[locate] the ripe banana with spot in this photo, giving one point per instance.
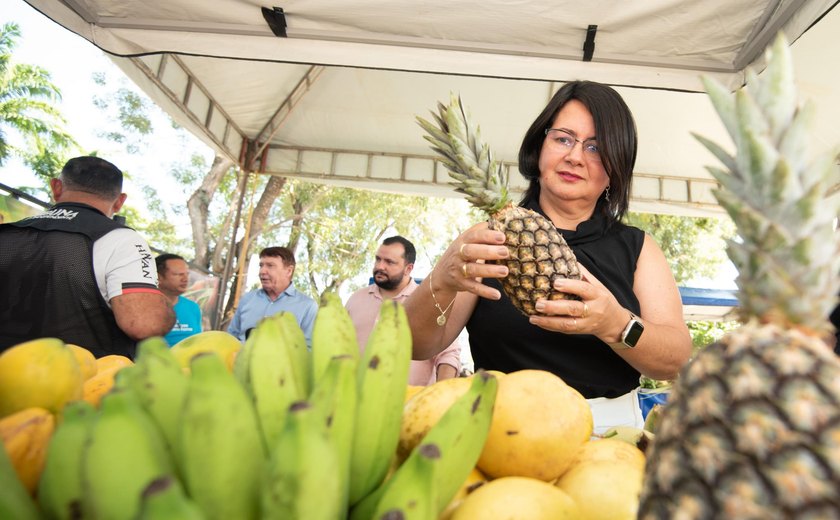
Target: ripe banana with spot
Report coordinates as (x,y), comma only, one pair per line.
(219,448)
(123,454)
(412,493)
(274,374)
(334,400)
(333,334)
(60,486)
(459,436)
(160,385)
(382,383)
(164,499)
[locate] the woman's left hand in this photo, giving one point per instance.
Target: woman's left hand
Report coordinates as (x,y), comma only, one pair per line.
(595,313)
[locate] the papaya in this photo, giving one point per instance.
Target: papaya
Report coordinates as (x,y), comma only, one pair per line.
(97,386)
(39,373)
(112,360)
(26,435)
(86,360)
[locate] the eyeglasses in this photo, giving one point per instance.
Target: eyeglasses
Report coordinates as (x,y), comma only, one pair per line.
(565,141)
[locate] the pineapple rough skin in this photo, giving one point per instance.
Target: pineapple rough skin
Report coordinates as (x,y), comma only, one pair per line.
(752,430)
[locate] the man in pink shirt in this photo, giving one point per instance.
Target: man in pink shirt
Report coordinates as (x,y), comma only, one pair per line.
(393,281)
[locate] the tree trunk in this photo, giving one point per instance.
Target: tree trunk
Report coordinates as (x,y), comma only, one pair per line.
(198,207)
(243,248)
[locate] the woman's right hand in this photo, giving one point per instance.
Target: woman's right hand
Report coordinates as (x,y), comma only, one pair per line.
(464,263)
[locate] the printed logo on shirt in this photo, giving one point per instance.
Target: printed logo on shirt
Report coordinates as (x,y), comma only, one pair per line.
(146,261)
(58,214)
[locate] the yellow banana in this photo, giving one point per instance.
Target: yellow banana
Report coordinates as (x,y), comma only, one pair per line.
(412,492)
(15,501)
(334,399)
(60,486)
(159,384)
(25,434)
(302,481)
(219,448)
(164,499)
(382,383)
(333,334)
(459,436)
(123,454)
(274,382)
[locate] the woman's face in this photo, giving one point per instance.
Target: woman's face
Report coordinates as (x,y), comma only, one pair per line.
(570,167)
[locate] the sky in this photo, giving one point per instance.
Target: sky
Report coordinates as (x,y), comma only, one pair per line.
(72,61)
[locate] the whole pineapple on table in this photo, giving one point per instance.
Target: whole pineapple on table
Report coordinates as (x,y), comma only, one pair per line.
(538,252)
(752,428)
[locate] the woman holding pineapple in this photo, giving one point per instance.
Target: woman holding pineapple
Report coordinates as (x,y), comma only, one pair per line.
(599,317)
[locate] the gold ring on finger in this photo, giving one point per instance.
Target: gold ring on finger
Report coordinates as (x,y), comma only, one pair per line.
(464,270)
(585,310)
(461,252)
(574,324)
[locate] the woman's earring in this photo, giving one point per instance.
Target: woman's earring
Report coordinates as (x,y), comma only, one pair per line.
(607,194)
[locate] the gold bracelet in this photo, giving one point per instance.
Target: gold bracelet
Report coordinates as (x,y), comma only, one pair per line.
(441,320)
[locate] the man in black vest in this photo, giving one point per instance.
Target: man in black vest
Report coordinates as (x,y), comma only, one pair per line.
(76,274)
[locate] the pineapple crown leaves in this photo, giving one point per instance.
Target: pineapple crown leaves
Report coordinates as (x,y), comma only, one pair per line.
(775,192)
(474,170)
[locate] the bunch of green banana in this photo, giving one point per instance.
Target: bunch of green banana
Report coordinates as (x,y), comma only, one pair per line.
(15,501)
(302,480)
(219,447)
(334,402)
(382,383)
(160,385)
(274,367)
(123,454)
(412,493)
(333,334)
(60,485)
(459,438)
(164,499)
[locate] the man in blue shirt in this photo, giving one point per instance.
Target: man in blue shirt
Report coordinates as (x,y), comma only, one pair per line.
(277,294)
(173,280)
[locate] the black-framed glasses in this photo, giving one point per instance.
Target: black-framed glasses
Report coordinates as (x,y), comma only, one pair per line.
(565,141)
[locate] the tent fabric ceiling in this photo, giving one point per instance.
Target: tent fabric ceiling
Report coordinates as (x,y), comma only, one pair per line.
(335,100)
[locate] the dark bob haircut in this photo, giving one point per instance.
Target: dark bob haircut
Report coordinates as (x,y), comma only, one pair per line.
(615,131)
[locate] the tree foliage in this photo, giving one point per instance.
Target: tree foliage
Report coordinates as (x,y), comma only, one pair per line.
(694,247)
(28,112)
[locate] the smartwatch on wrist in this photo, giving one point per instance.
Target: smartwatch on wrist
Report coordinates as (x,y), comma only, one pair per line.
(632,332)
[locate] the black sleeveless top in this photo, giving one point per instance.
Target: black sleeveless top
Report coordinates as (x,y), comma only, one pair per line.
(47,284)
(501,338)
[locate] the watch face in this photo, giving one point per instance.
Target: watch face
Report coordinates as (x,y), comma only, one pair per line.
(634,332)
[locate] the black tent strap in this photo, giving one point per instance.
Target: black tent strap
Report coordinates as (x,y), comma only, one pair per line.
(276,19)
(589,44)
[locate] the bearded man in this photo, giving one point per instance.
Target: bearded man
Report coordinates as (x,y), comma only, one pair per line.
(392,281)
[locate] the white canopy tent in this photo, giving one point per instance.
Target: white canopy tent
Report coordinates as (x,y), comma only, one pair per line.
(328,90)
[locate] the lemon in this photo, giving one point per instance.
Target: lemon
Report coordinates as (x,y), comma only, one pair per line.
(39,373)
